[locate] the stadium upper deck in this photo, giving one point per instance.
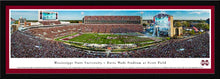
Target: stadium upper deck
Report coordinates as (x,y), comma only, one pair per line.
(112,20)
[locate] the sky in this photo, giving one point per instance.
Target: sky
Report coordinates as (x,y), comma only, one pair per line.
(146,14)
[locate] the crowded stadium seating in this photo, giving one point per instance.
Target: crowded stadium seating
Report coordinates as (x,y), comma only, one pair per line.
(112,19)
(25,45)
(49,22)
(52,32)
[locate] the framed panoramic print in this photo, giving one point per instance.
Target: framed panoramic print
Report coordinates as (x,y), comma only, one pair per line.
(108,39)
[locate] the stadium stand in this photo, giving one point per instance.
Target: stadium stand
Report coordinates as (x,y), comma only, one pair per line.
(49,22)
(25,45)
(112,19)
(52,32)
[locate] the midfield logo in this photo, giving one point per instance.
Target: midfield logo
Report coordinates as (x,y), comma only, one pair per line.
(204,62)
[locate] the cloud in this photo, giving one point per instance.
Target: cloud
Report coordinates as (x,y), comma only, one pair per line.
(178,12)
(111,13)
(27,14)
(199,12)
(82,13)
(148,17)
(195,12)
(141,12)
(23,13)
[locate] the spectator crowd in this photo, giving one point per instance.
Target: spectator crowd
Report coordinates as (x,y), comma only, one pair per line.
(26,45)
(53,32)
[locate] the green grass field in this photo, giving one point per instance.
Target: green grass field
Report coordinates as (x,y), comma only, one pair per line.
(95,38)
(67,36)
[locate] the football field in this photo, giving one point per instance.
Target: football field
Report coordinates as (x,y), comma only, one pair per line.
(96,38)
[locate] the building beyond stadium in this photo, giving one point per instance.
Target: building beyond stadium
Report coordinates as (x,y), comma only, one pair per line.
(163,25)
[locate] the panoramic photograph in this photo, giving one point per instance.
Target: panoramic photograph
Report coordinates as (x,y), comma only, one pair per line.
(110,33)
